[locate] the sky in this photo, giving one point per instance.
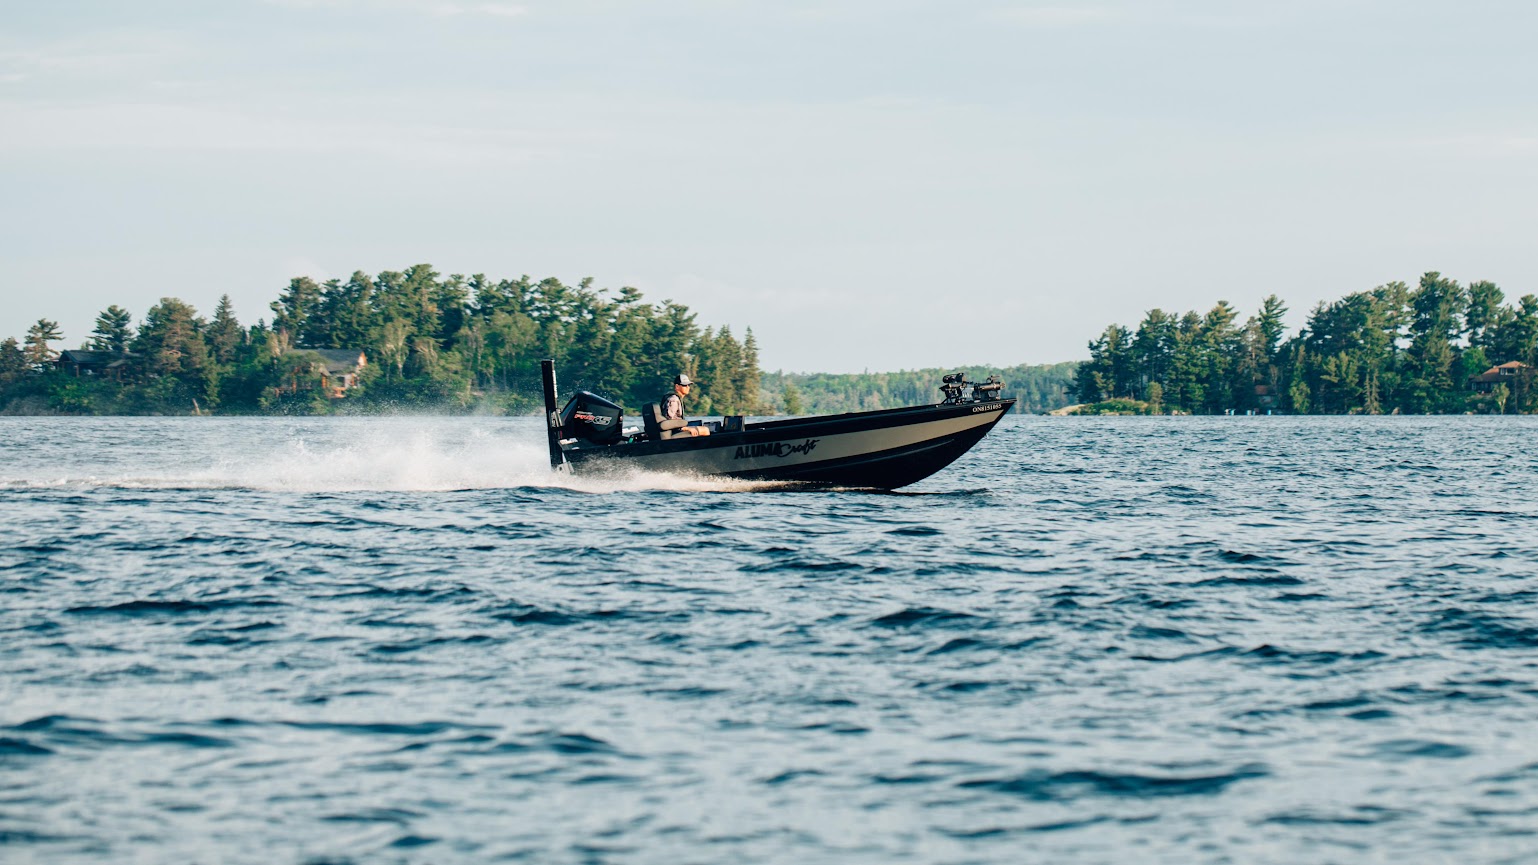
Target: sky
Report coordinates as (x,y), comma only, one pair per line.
(868,185)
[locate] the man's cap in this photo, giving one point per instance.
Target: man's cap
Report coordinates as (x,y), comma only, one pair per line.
(682,380)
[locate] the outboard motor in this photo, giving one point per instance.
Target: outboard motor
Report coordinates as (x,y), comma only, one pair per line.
(591,418)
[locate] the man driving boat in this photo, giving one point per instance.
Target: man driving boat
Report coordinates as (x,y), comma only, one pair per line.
(672,405)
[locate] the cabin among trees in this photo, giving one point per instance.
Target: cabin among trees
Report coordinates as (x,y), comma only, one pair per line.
(1509,383)
(1509,373)
(333,371)
(78,362)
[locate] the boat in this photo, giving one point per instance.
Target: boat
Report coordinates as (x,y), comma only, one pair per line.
(883,449)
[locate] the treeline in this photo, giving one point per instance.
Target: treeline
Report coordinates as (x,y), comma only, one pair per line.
(1039,388)
(1392,349)
(431,342)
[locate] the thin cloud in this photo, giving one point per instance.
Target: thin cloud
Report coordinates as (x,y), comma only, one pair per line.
(1054,16)
(438,8)
(496,10)
(91,56)
(188,128)
(1480,146)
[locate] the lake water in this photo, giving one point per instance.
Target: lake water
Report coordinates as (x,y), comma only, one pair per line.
(1185,640)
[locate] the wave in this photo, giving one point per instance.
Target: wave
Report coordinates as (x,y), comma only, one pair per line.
(142,607)
(1042,786)
(925,617)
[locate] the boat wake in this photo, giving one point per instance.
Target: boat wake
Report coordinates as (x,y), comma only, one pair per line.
(389,457)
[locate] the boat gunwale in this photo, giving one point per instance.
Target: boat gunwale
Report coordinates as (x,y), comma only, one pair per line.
(775,429)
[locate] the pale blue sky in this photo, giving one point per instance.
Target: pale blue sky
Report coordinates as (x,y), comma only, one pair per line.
(869,185)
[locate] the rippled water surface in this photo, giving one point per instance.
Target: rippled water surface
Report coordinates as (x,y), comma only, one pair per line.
(1120,640)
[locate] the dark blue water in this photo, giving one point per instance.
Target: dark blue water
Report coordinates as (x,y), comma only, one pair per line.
(1121,640)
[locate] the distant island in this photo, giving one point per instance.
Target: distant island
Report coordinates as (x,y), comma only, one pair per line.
(1039,388)
(1437,348)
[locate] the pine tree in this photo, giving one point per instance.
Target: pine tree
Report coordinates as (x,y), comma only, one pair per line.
(224,333)
(1271,324)
(1484,312)
(37,352)
(393,346)
(344,316)
(293,308)
(1187,373)
(451,301)
(114,330)
(171,345)
(1112,367)
(792,396)
(13,361)
(1437,304)
(1153,350)
(1220,350)
(1298,396)
(748,377)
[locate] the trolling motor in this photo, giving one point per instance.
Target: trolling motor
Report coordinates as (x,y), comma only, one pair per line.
(951,386)
(955,383)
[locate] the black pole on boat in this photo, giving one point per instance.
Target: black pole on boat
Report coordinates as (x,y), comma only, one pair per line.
(552,415)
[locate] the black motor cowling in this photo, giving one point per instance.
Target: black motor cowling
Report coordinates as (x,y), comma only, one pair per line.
(591,418)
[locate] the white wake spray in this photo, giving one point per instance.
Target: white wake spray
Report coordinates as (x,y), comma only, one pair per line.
(334,455)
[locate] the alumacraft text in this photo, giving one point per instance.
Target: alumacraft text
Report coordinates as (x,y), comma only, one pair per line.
(777,449)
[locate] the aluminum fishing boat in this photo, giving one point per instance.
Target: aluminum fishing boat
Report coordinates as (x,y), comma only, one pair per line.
(882,449)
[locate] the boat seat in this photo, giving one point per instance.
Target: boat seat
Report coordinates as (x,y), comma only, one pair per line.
(658,429)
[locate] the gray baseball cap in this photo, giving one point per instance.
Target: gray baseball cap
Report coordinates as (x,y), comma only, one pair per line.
(682,380)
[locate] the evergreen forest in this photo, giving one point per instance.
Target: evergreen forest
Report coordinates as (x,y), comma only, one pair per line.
(1396,349)
(456,343)
(432,342)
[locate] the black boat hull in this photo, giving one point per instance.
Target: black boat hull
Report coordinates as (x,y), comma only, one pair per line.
(879,449)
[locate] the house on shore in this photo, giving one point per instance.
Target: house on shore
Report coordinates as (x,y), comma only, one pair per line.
(84,362)
(339,369)
(1507,373)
